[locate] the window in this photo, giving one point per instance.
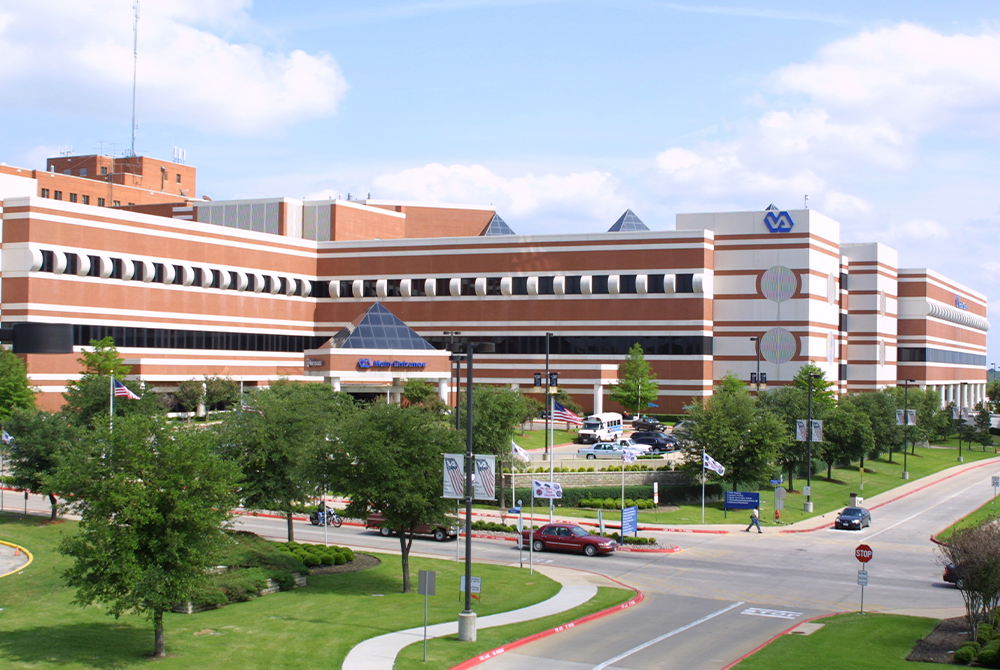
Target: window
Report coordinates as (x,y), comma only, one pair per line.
(47,261)
(58,195)
(116,203)
(71,264)
(519,286)
(467,286)
(573,285)
(418,287)
(100,202)
(86,199)
(131,204)
(626,284)
(685,283)
(655,284)
(391,288)
(178,177)
(545,286)
(45,193)
(72,197)
(104,170)
(368,289)
(346,288)
(493,286)
(67,172)
(83,172)
(599,284)
(441,287)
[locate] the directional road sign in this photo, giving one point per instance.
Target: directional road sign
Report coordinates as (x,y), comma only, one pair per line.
(862,578)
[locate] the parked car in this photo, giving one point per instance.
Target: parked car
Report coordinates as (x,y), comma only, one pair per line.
(607,450)
(646,423)
(853,518)
(659,443)
(951,575)
(568,537)
(439,531)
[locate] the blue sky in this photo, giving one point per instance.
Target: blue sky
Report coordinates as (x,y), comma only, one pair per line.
(560,113)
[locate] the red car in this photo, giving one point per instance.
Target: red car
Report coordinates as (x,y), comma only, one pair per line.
(568,537)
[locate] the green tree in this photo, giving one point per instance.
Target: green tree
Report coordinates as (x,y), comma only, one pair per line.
(496,414)
(189,395)
(993,393)
(90,396)
(275,443)
(847,435)
(15,390)
(221,393)
(880,407)
(563,397)
(153,503)
(422,393)
(387,458)
(734,430)
(41,442)
(636,386)
(983,425)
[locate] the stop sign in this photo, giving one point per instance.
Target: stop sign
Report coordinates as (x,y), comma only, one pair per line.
(863,553)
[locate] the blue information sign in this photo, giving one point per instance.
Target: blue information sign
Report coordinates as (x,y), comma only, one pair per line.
(742,500)
(630,520)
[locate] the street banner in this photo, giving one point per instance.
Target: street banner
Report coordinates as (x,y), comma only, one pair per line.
(911,415)
(485,484)
(800,430)
(546,489)
(454,476)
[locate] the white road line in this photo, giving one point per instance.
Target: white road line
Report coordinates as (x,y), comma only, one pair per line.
(914,516)
(650,643)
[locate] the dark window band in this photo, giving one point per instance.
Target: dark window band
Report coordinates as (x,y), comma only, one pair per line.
(163,338)
(612,345)
(917,355)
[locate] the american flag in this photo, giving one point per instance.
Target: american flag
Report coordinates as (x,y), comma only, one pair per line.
(560,413)
(122,391)
(455,475)
(487,477)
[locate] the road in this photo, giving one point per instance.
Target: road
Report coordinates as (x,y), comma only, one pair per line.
(723,595)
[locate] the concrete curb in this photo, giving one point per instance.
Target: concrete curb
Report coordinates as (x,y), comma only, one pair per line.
(784,632)
(27,553)
(481,658)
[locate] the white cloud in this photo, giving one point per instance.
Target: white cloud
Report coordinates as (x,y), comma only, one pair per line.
(63,55)
(592,195)
(843,205)
(915,230)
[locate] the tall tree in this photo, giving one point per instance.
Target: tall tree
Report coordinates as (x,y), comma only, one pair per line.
(983,425)
(275,442)
(221,393)
(975,553)
(636,387)
(734,430)
(880,406)
(847,435)
(189,395)
(993,393)
(15,389)
(387,458)
(152,503)
(41,442)
(90,396)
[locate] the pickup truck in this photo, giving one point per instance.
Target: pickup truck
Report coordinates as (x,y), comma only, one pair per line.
(439,531)
(610,450)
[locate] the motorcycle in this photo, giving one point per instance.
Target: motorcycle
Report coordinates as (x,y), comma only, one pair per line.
(330,517)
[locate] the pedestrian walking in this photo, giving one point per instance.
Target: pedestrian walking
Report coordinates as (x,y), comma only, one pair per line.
(754,520)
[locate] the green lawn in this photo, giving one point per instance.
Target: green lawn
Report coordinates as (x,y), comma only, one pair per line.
(827,496)
(310,627)
(984,513)
(535,439)
(847,642)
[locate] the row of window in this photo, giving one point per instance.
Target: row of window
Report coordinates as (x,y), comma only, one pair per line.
(927,355)
(104,170)
(592,345)
(165,338)
(507,286)
(83,199)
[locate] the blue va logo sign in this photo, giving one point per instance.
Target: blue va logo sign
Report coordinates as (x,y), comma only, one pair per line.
(778,222)
(364,363)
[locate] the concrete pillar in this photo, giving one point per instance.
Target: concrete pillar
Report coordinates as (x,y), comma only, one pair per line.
(443,388)
(598,398)
(335,383)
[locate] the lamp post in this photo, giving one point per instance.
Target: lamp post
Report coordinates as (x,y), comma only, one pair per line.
(809,444)
(906,422)
(457,360)
(549,447)
(756,346)
(961,420)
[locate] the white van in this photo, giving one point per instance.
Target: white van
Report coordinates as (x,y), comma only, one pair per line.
(606,427)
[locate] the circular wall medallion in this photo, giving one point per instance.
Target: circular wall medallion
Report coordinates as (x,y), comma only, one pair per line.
(778,346)
(778,283)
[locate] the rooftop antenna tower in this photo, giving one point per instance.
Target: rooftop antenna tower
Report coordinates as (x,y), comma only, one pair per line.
(135,65)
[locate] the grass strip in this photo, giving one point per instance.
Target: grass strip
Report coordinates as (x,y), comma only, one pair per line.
(847,642)
(311,627)
(447,652)
(984,513)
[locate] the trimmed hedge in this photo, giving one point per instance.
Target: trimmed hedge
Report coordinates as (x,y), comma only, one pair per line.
(988,658)
(964,655)
(668,494)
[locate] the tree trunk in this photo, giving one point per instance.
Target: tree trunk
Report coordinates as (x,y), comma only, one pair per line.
(405,540)
(291,529)
(829,471)
(791,477)
(54,505)
(160,647)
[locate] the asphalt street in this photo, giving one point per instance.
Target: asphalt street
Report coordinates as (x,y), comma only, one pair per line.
(725,594)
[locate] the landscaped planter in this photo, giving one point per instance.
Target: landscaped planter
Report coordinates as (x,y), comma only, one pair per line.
(272,587)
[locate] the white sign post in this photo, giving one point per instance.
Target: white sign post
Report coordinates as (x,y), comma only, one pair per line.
(996,484)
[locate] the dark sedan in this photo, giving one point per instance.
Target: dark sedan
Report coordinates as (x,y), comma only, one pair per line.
(646,423)
(951,575)
(659,443)
(853,518)
(568,537)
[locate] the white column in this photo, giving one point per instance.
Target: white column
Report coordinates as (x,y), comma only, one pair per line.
(335,383)
(598,398)
(443,385)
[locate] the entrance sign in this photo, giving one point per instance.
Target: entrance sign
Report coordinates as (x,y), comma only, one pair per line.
(742,500)
(630,521)
(863,553)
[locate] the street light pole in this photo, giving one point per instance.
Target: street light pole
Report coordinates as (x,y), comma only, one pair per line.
(809,445)
(458,375)
(961,420)
(906,422)
(756,342)
(549,447)
(467,618)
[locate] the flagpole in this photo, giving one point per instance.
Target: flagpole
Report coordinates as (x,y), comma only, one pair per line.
(703,485)
(112,401)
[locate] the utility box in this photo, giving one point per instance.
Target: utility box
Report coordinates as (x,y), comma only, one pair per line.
(856,500)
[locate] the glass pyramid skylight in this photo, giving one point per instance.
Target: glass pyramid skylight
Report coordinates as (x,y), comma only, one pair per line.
(497,227)
(628,223)
(378,328)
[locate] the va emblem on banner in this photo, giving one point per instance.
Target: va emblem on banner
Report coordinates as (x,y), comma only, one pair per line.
(486,479)
(454,476)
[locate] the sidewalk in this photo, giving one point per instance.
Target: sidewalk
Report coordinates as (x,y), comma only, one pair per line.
(379,653)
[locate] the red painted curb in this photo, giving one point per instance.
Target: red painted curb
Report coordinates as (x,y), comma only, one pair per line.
(784,632)
(672,549)
(473,662)
(981,463)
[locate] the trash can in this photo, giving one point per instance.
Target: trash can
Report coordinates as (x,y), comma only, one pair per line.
(856,500)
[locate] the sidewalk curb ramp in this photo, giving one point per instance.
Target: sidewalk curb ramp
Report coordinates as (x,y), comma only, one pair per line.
(784,632)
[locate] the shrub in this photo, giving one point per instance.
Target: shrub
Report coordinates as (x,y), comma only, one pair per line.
(972,643)
(327,558)
(339,559)
(311,561)
(964,655)
(209,595)
(984,632)
(242,585)
(987,658)
(284,579)
(639,540)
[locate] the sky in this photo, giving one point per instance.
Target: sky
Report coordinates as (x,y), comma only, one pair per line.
(561,113)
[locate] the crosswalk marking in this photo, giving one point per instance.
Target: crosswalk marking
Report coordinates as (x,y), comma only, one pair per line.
(776,614)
